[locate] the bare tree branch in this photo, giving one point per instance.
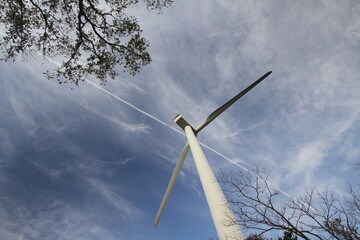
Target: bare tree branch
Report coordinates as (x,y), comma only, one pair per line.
(316,215)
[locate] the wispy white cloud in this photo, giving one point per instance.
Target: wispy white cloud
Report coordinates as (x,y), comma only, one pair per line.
(59,219)
(309,158)
(115,198)
(137,128)
(126,160)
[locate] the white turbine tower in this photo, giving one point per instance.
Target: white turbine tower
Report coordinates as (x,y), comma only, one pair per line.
(217,202)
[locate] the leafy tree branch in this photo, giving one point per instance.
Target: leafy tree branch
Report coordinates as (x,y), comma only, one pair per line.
(92,37)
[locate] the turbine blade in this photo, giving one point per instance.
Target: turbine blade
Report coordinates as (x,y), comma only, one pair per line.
(218,111)
(170,186)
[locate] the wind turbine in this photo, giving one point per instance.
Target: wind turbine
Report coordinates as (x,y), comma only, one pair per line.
(217,202)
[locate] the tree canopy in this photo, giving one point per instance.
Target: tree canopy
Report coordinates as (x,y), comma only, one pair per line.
(91,37)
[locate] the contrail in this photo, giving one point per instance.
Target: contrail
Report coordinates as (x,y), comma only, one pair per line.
(161,122)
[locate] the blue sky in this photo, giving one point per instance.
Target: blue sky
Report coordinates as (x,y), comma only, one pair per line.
(81,164)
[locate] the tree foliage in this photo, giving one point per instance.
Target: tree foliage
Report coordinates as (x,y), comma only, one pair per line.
(259,207)
(91,37)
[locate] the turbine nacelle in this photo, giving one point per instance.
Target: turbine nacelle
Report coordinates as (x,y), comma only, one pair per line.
(182,122)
